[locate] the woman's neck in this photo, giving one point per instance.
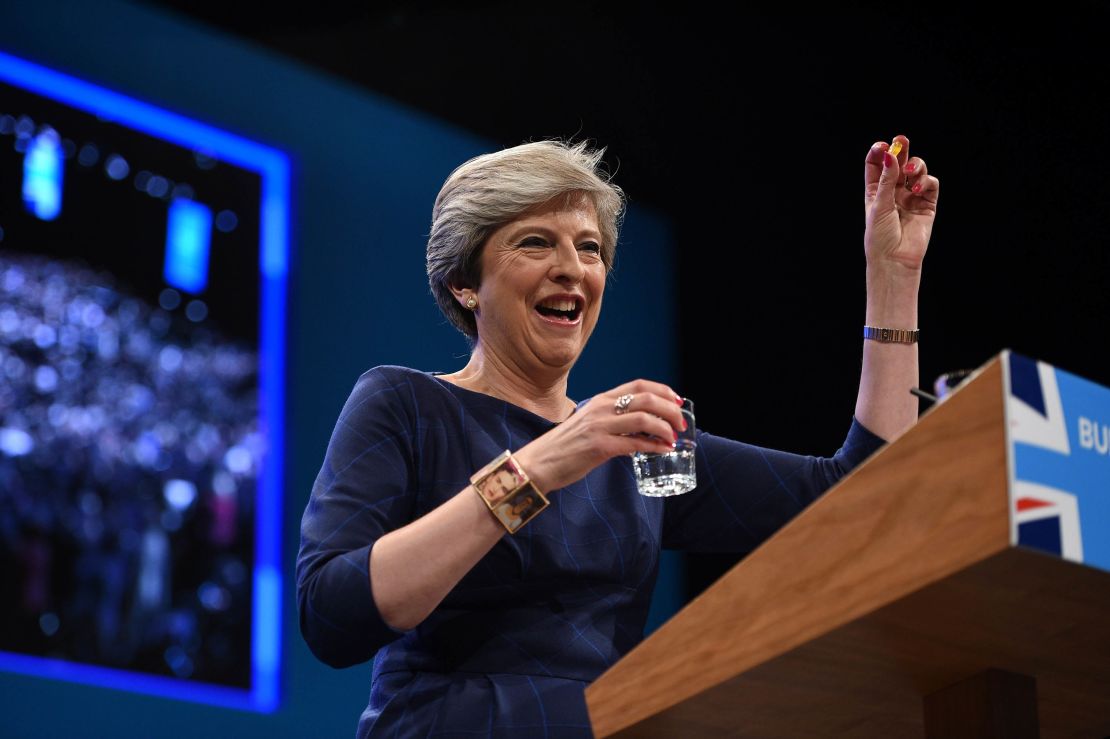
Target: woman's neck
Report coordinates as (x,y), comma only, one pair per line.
(486,373)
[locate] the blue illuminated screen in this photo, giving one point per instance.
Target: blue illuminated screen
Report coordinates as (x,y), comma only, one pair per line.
(142,299)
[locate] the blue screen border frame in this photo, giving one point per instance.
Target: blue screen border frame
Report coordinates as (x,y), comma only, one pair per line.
(274,168)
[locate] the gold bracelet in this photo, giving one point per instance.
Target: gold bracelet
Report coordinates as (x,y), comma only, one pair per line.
(508,493)
(891,335)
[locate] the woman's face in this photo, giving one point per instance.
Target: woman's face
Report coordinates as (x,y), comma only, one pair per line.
(542,284)
(505,482)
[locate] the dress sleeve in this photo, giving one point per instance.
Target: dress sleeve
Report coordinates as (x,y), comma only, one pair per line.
(746,493)
(361,493)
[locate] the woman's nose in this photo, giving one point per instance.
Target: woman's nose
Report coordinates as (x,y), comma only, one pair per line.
(567,264)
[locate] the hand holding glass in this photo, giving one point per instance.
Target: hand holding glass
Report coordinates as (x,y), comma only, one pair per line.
(673,473)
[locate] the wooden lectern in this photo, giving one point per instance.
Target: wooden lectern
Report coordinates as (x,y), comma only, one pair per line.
(894,602)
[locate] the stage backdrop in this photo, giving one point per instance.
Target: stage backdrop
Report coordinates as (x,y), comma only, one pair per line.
(365,174)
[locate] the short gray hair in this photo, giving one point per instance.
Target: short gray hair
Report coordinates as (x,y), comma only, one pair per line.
(488,191)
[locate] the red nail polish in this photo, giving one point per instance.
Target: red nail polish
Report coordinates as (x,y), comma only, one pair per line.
(678,400)
(888,160)
(917,187)
(676,436)
(911,167)
(683,424)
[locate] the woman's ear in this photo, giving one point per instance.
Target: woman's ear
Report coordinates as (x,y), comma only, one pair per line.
(467,297)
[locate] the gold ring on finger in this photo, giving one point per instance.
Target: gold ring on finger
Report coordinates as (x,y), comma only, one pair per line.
(622,404)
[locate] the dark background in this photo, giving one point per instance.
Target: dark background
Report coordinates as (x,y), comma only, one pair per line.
(748,131)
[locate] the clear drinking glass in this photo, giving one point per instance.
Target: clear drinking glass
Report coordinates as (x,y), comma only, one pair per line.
(673,473)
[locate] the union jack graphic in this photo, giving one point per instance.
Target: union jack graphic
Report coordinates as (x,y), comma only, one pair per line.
(1044,517)
(1047,519)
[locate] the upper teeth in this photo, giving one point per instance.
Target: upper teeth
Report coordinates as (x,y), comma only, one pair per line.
(559,304)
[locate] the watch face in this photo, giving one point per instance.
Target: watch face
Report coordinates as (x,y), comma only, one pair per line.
(502,481)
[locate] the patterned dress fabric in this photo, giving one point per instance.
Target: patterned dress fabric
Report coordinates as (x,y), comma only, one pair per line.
(510,650)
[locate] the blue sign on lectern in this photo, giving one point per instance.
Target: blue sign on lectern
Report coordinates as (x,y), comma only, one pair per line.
(1058,437)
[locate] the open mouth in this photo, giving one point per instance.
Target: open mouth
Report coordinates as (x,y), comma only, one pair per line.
(560,310)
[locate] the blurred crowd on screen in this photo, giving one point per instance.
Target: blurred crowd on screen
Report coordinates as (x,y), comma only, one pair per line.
(130,450)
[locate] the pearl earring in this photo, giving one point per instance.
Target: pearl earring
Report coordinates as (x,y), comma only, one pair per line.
(472,302)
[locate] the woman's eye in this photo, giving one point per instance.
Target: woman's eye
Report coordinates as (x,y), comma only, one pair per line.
(591,247)
(533,241)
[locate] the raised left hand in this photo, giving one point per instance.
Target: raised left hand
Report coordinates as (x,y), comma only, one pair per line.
(900,201)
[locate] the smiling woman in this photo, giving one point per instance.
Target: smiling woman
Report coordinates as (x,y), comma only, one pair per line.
(485,612)
(537,299)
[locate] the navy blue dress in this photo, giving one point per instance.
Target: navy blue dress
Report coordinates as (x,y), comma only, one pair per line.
(512,647)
